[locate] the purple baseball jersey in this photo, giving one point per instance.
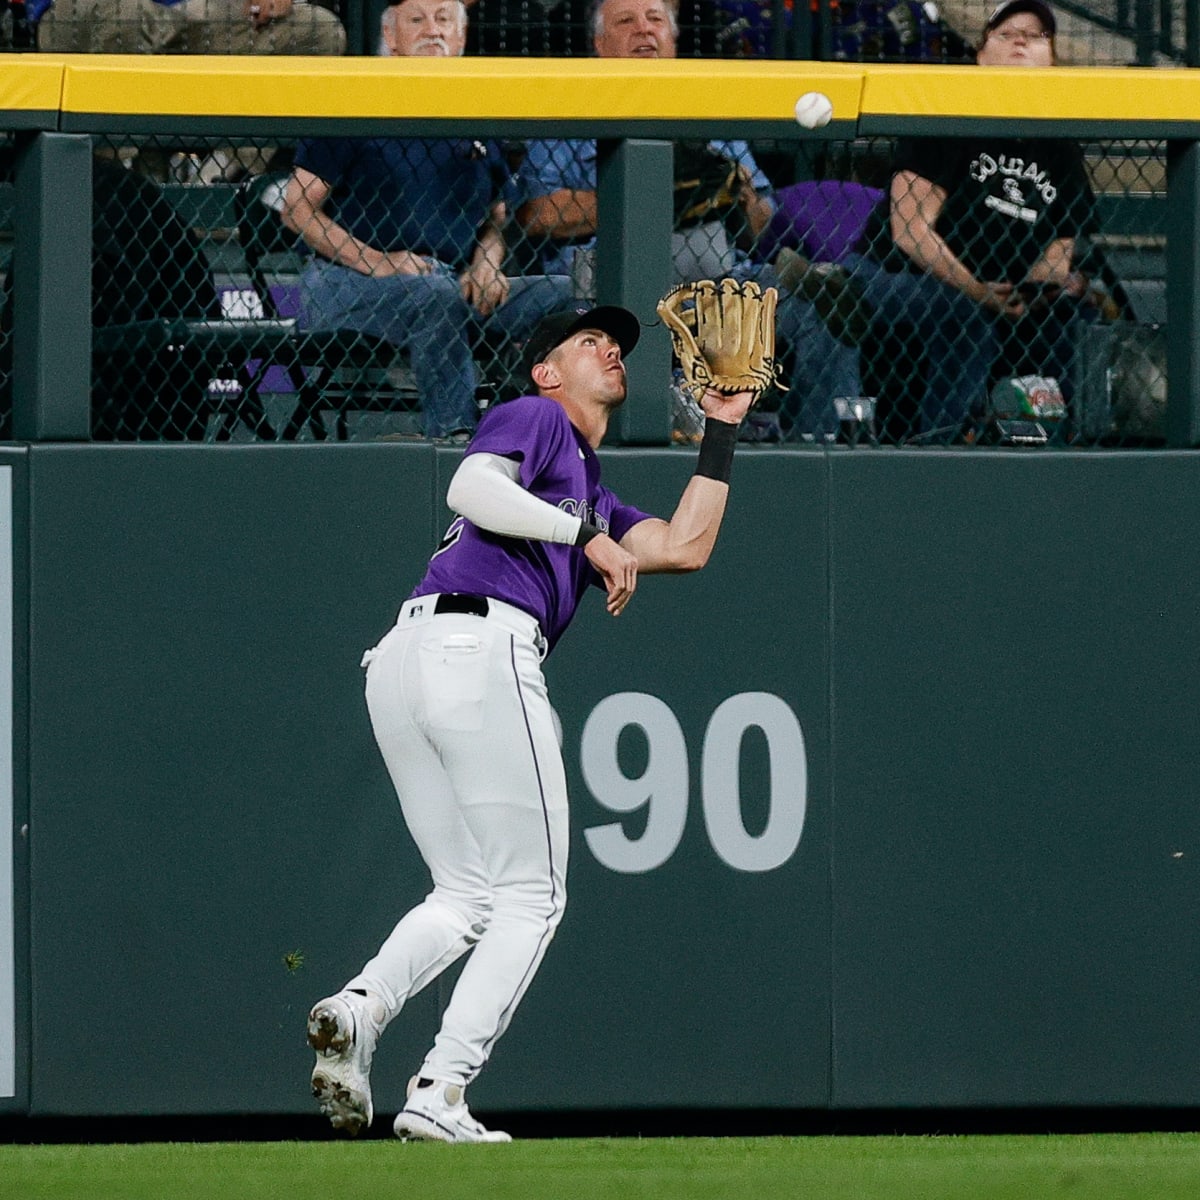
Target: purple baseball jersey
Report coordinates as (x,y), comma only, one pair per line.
(545,579)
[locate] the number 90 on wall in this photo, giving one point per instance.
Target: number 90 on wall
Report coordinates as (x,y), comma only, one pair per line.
(663,787)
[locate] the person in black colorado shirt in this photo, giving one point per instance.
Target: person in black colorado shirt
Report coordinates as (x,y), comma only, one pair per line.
(973,246)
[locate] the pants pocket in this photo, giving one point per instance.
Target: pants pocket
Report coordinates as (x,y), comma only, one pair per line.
(454,675)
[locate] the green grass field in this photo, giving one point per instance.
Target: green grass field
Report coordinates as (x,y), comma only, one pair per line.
(1079,1167)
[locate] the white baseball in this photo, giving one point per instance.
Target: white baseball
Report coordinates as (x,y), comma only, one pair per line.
(813,110)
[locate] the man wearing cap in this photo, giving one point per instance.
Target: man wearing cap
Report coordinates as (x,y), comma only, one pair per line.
(560,175)
(973,246)
(459,708)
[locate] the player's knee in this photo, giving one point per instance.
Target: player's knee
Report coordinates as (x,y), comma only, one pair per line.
(472,909)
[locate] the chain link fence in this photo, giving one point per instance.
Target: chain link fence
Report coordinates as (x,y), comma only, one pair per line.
(218,313)
(1046,327)
(1056,337)
(217,316)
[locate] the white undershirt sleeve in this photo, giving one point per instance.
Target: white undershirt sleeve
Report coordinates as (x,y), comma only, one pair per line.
(485,490)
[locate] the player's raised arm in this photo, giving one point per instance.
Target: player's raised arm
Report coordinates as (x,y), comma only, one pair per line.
(685,542)
(723,334)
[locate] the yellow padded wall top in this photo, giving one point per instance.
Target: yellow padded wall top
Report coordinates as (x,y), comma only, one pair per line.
(1071,93)
(539,89)
(522,88)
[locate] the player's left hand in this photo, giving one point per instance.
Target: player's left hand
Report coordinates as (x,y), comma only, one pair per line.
(730,408)
(618,569)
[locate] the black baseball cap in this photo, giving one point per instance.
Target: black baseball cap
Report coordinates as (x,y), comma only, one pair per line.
(1008,8)
(619,323)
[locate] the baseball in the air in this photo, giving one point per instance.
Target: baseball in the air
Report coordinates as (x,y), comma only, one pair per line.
(813,110)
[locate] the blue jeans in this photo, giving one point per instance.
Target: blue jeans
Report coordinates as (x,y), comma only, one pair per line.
(426,316)
(957,336)
(965,346)
(821,368)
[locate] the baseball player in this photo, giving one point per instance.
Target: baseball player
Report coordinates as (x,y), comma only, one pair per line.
(459,709)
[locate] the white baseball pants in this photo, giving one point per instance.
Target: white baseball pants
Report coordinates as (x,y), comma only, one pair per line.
(459,708)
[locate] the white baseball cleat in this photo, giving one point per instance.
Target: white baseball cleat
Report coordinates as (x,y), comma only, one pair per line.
(343,1030)
(437,1112)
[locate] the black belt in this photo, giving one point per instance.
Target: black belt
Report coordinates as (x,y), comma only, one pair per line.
(461,602)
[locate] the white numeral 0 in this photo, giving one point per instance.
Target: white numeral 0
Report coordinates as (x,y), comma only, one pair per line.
(663,785)
(719,781)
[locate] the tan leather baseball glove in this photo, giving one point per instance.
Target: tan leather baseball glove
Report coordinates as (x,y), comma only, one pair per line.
(724,334)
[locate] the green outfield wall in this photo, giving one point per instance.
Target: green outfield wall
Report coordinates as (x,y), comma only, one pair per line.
(891,806)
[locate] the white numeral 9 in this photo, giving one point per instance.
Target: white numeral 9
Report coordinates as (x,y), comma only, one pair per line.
(664,781)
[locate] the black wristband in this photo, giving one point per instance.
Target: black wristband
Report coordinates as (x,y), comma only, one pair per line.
(716,450)
(586,533)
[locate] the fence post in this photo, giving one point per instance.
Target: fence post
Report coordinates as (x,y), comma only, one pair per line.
(52,289)
(1145,35)
(633,269)
(781,33)
(803,43)
(1183,293)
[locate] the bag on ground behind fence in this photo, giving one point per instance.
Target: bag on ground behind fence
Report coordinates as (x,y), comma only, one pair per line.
(1122,381)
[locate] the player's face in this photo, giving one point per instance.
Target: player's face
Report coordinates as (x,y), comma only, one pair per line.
(425,28)
(590,367)
(635,29)
(1020,41)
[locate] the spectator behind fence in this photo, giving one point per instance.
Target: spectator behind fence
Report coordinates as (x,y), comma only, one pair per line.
(973,248)
(186,27)
(290,27)
(815,229)
(719,187)
(407,237)
(561,174)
